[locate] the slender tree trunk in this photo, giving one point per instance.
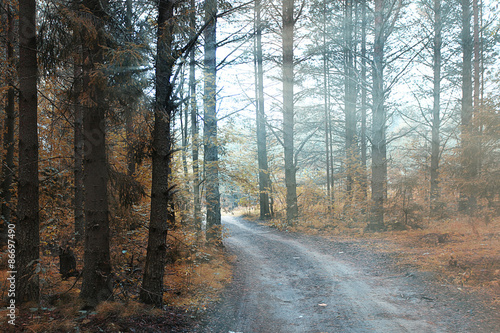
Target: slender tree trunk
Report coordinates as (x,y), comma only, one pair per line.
(477,100)
(129,109)
(194,122)
(8,137)
(326,88)
(184,116)
(328,119)
(96,276)
(379,164)
(349,100)
(161,190)
(28,224)
(129,128)
(214,232)
(292,210)
(477,57)
(364,104)
(467,197)
(436,121)
(183,119)
(481,85)
(332,156)
(264,179)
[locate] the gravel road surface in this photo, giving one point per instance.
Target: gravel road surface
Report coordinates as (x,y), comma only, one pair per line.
(286,282)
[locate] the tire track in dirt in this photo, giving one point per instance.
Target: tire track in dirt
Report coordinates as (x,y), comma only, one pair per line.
(289,284)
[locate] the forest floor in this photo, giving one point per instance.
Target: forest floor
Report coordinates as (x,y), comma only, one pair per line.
(193,280)
(313,277)
(389,282)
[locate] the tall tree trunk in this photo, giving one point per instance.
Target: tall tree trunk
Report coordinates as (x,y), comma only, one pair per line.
(96,276)
(332,157)
(78,152)
(436,121)
(78,138)
(477,56)
(292,210)
(481,85)
(129,109)
(264,179)
(349,100)
(8,136)
(214,232)
(467,197)
(477,100)
(194,122)
(184,118)
(161,190)
(326,88)
(364,104)
(28,224)
(379,164)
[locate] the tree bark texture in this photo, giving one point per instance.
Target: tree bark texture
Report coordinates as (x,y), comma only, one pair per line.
(96,276)
(8,137)
(349,99)
(214,232)
(292,209)
(129,109)
(332,157)
(477,98)
(477,56)
(194,123)
(436,120)
(183,119)
(364,99)
(467,201)
(28,224)
(78,153)
(264,179)
(379,164)
(161,190)
(326,87)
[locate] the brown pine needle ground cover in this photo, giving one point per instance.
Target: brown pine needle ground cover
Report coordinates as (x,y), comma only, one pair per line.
(193,280)
(459,253)
(196,281)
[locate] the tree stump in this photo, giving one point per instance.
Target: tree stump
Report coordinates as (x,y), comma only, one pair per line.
(67,263)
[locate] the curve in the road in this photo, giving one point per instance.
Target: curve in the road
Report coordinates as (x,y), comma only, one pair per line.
(282,284)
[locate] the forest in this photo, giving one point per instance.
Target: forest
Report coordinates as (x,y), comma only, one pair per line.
(129,128)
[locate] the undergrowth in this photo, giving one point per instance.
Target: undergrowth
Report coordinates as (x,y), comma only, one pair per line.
(194,278)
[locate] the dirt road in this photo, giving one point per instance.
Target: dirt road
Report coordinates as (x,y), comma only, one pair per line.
(294,283)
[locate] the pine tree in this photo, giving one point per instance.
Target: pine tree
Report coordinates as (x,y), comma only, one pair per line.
(161,189)
(28,224)
(264,179)
(96,277)
(214,232)
(292,209)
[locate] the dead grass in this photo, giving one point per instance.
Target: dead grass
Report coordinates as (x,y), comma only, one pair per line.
(196,281)
(464,254)
(192,282)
